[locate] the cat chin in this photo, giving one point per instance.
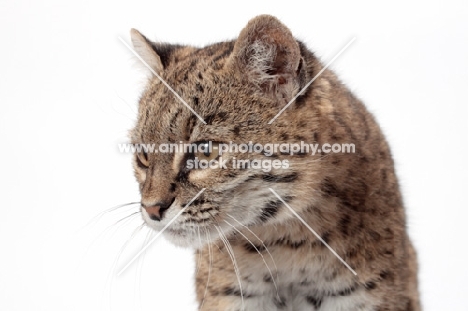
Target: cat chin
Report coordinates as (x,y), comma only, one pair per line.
(186,241)
(191,239)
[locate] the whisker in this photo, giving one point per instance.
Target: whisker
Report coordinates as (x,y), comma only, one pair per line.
(120,223)
(261,241)
(108,228)
(261,255)
(210,256)
(139,269)
(234,262)
(216,221)
(110,277)
(199,251)
(126,217)
(96,218)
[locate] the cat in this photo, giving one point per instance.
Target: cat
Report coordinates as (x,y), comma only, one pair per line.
(252,250)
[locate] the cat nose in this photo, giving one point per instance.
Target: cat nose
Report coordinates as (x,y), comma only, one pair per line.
(156,211)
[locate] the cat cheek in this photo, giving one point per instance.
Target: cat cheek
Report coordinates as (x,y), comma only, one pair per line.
(140,175)
(200,176)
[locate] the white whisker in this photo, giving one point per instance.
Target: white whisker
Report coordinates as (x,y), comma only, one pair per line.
(96,218)
(114,264)
(234,262)
(139,269)
(210,256)
(261,255)
(124,221)
(261,241)
(199,251)
(120,223)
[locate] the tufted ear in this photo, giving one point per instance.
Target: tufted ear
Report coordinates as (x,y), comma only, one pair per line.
(145,49)
(156,55)
(269,55)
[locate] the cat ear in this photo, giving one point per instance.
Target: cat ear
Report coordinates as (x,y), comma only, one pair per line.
(146,50)
(269,55)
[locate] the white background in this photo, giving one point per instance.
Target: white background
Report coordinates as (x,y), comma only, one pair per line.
(68,94)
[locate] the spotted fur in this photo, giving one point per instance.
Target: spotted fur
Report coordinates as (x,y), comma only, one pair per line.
(351,200)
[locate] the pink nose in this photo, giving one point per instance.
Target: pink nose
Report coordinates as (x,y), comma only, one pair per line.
(156,211)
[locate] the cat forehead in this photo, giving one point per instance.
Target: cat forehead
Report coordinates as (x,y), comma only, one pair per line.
(168,119)
(184,62)
(199,78)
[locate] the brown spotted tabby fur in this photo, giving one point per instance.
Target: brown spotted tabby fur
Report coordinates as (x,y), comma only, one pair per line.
(352,200)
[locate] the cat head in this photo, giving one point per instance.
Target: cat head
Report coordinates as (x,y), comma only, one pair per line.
(222,94)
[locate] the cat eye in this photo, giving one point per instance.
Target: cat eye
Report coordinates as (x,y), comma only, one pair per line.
(142,159)
(204,153)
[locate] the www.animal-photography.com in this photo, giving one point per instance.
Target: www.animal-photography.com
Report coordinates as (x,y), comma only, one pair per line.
(302,156)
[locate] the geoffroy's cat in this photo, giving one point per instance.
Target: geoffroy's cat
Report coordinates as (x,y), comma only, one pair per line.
(264,236)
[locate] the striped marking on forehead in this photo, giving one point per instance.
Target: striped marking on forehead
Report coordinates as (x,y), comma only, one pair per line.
(190,71)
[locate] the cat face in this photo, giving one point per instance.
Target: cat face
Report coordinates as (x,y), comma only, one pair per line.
(236,88)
